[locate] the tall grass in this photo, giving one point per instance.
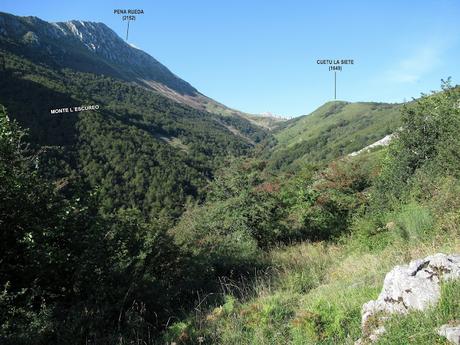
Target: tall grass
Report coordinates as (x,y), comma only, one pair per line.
(313,293)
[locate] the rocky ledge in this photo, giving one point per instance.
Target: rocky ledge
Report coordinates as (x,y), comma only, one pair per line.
(416,286)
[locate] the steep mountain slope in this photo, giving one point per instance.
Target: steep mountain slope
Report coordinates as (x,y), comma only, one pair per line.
(88,47)
(140,148)
(95,48)
(334,129)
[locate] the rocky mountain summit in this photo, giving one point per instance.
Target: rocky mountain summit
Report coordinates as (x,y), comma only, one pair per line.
(95,48)
(416,286)
(90,47)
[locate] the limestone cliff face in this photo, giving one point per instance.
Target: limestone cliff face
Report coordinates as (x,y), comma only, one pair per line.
(91,47)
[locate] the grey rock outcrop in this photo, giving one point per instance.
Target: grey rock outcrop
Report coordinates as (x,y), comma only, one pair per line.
(451,333)
(411,287)
(385,141)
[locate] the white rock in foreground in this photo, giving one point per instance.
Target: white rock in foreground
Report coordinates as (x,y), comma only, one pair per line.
(411,287)
(451,333)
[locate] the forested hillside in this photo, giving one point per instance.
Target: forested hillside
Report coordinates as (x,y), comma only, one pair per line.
(94,48)
(141,149)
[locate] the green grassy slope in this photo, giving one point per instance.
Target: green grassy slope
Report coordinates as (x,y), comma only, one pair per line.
(334,129)
(316,296)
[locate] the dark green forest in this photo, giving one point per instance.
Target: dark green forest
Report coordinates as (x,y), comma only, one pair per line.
(140,149)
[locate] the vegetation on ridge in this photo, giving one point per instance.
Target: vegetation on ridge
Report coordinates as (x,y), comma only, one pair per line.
(333,130)
(312,292)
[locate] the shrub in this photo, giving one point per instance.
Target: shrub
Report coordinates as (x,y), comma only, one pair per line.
(427,141)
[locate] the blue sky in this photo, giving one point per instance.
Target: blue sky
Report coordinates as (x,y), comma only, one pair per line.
(260,56)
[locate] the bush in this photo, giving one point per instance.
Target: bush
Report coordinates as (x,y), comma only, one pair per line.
(427,141)
(220,235)
(321,204)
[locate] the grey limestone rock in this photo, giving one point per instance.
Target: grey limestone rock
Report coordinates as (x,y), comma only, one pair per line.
(451,333)
(415,286)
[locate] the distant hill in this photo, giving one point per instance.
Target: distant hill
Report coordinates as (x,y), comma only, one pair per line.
(334,129)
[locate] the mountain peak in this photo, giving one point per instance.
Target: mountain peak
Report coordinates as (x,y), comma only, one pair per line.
(93,35)
(91,47)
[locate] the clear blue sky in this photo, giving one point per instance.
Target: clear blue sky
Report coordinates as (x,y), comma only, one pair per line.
(260,55)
